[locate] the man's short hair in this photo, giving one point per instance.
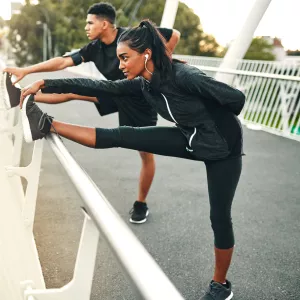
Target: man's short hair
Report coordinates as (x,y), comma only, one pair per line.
(103,10)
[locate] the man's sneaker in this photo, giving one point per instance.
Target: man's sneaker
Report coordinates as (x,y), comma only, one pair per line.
(36,124)
(10,92)
(218,291)
(139,212)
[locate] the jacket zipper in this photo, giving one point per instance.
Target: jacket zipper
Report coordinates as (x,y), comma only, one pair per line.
(168,107)
(195,130)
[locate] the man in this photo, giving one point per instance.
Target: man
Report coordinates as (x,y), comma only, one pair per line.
(103,33)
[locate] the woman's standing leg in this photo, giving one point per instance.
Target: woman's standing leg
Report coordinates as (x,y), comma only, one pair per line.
(222,178)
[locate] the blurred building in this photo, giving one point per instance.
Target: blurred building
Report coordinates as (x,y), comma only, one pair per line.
(15,7)
(278,49)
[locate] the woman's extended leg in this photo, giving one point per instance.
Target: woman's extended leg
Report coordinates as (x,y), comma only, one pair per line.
(167,141)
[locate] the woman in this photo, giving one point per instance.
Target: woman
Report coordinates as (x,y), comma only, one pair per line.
(203,110)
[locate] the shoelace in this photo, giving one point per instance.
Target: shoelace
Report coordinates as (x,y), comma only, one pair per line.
(135,208)
(48,118)
(214,291)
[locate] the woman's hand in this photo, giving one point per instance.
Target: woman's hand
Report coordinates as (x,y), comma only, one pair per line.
(31,89)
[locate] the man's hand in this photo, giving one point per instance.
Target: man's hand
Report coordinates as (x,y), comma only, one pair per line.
(30,89)
(18,72)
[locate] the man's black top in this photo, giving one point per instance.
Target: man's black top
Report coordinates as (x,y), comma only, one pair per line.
(105,56)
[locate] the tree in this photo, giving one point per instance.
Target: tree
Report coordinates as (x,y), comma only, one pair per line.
(66,21)
(260,49)
(209,46)
(293,52)
(26,32)
(193,39)
(2,23)
(2,32)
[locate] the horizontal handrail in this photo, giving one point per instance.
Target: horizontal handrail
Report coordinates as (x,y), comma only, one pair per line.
(249,73)
(152,284)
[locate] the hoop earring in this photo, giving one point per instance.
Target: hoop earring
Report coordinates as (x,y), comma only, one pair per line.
(146,59)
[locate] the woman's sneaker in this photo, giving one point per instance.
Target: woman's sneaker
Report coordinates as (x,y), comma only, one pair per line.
(139,212)
(218,291)
(36,124)
(10,93)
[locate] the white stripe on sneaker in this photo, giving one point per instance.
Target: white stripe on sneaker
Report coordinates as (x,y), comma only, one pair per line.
(142,221)
(230,296)
(26,127)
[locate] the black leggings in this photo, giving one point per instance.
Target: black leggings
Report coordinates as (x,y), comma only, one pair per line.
(222,175)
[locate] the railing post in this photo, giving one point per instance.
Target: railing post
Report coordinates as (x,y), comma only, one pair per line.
(79,288)
(32,174)
(241,44)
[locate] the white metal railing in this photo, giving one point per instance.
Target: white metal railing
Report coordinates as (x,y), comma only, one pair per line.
(18,254)
(243,64)
(99,216)
(272,92)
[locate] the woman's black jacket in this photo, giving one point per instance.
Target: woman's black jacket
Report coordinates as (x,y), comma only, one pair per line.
(187,97)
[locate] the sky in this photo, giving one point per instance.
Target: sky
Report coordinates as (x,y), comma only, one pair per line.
(224,18)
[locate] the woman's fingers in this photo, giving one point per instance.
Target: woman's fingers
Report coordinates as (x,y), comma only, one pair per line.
(28,90)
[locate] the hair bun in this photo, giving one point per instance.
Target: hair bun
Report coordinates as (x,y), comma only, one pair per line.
(144,23)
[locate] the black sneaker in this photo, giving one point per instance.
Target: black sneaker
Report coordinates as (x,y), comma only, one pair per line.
(139,212)
(36,124)
(10,92)
(218,291)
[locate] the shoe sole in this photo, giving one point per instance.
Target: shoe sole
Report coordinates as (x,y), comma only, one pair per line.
(142,221)
(25,122)
(6,96)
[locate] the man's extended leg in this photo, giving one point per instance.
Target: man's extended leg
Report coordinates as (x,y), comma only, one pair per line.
(60,98)
(136,112)
(140,211)
(12,95)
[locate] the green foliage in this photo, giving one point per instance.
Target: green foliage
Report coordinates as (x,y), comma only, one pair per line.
(25,36)
(2,32)
(193,40)
(2,23)
(66,20)
(293,52)
(260,49)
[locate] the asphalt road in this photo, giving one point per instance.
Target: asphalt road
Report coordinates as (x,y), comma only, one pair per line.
(266,214)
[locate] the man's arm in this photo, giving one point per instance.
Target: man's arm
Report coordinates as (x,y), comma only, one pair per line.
(54,64)
(171,36)
(174,40)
